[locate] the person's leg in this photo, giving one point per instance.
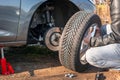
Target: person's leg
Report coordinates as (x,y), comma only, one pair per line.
(105,56)
(105,29)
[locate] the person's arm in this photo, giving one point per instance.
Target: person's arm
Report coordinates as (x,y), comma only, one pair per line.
(113,37)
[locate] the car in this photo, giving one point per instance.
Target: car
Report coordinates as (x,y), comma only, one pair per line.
(29,22)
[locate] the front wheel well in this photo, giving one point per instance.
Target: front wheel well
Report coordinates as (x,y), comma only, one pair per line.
(50,14)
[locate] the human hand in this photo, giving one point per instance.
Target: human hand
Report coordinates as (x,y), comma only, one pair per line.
(87,38)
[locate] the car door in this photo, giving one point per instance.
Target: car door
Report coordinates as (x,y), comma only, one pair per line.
(9,19)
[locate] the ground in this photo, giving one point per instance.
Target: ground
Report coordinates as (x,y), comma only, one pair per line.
(48,67)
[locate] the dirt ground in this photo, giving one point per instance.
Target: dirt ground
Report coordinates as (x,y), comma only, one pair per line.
(49,68)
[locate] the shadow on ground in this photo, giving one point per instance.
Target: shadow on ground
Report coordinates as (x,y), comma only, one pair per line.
(34,58)
(31,58)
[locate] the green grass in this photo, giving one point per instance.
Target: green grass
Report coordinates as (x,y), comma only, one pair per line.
(30,49)
(29,53)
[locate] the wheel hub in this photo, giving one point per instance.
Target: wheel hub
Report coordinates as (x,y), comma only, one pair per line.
(52,38)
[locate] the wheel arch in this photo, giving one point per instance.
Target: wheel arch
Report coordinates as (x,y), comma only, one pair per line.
(26,15)
(72,7)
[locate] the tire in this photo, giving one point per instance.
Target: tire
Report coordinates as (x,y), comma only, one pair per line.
(71,39)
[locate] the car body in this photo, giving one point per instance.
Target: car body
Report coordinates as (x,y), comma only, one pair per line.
(26,21)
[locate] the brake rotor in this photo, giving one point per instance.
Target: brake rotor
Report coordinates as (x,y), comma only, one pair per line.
(52,38)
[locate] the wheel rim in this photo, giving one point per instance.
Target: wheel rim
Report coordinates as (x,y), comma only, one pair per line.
(84,47)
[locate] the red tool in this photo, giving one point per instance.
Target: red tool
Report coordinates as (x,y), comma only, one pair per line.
(5,67)
(10,68)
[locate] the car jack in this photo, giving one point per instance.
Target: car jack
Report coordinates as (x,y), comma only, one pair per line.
(6,67)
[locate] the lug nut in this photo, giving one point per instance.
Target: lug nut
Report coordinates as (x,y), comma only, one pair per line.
(69,75)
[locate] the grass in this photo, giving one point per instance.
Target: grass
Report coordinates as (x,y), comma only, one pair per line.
(29,53)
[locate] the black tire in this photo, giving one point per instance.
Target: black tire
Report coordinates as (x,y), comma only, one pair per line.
(72,36)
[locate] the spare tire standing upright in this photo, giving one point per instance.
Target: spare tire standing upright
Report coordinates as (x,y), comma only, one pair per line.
(71,44)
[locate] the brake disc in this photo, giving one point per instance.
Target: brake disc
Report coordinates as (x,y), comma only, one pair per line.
(52,37)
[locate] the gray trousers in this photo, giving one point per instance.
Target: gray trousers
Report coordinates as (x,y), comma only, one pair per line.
(105,56)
